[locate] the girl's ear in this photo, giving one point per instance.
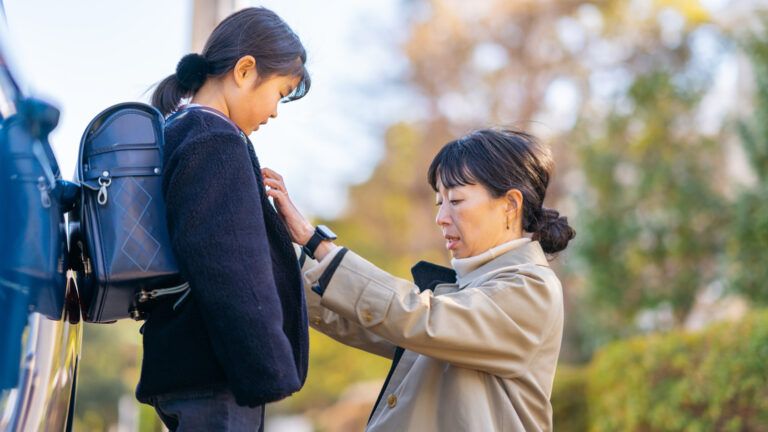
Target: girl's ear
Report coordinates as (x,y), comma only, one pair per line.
(245,70)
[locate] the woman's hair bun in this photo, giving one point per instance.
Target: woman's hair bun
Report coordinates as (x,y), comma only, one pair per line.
(192,72)
(553,231)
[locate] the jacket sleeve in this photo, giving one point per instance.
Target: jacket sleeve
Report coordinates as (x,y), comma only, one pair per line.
(220,241)
(341,329)
(497,327)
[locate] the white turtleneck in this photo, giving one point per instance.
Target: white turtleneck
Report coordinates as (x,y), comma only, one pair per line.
(464,266)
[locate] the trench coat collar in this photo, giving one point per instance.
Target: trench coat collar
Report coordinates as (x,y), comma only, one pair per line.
(528,253)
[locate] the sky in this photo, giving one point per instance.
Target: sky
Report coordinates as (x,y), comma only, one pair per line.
(86,55)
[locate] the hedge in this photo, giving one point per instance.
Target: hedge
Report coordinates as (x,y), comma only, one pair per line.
(716,379)
(569,403)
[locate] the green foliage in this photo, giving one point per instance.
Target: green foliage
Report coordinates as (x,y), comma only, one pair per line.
(748,240)
(332,368)
(569,399)
(712,380)
(748,245)
(108,370)
(148,420)
(650,218)
(754,132)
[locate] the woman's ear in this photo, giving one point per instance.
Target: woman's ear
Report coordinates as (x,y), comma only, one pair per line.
(245,70)
(514,200)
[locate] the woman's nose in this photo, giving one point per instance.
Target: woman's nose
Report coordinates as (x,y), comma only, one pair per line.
(442,217)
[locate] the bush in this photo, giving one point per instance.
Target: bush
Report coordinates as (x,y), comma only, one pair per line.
(333,368)
(711,380)
(569,399)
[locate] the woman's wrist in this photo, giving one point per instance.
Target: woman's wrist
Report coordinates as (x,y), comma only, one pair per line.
(323,249)
(307,231)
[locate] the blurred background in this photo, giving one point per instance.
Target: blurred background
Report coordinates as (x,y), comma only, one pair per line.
(656,111)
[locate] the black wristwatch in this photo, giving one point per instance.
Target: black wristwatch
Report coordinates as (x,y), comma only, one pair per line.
(322,233)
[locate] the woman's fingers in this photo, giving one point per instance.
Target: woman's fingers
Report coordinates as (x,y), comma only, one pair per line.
(299,228)
(274,184)
(270,173)
(276,194)
(274,180)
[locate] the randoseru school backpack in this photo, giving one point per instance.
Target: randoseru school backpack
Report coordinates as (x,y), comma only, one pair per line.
(122,238)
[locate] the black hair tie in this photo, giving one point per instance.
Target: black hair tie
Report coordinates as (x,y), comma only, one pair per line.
(192,71)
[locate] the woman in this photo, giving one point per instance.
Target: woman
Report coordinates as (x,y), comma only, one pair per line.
(238,339)
(479,348)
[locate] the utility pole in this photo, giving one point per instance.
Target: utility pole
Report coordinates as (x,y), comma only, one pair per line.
(206,14)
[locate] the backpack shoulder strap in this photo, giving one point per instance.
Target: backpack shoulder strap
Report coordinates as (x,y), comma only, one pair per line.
(187,108)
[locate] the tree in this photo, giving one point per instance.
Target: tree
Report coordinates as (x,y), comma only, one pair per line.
(748,239)
(650,220)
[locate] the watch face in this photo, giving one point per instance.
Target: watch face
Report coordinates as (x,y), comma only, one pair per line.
(326,232)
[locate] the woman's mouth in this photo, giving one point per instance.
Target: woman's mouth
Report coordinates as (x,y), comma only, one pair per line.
(451,242)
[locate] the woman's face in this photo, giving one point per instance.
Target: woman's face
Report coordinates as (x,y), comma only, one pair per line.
(473,221)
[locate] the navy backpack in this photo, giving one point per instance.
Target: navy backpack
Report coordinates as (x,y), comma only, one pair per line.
(120,226)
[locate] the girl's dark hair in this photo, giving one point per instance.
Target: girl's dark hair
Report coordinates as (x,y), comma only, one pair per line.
(500,160)
(255,31)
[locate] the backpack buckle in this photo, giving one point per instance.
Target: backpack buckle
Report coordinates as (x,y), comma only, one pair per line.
(104,182)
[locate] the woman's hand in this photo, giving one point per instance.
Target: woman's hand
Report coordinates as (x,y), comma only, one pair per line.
(299,228)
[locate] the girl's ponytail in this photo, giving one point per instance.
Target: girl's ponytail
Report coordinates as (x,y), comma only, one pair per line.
(190,75)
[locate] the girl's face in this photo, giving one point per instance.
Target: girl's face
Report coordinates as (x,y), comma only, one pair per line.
(253,100)
(473,221)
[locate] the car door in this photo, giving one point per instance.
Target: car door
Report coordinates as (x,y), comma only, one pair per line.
(40,318)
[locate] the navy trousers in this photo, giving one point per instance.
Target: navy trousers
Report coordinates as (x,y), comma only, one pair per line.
(207,411)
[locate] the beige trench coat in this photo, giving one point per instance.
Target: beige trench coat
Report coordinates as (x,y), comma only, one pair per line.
(480,356)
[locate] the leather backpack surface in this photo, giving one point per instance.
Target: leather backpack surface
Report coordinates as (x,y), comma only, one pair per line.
(122,234)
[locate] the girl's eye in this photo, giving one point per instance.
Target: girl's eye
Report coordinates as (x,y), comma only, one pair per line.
(454,202)
(438,204)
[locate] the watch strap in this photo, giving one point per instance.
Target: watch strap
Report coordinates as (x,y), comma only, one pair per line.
(313,243)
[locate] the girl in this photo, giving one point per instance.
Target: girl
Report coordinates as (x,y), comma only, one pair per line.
(474,347)
(238,340)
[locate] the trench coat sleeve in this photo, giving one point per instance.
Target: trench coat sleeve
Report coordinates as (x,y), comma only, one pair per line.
(332,324)
(220,241)
(496,327)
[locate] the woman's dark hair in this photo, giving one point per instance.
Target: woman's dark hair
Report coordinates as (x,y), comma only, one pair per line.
(500,160)
(255,31)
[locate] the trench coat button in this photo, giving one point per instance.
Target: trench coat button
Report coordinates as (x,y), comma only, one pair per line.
(367,316)
(391,401)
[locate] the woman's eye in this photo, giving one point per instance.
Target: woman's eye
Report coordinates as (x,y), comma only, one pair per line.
(438,204)
(454,202)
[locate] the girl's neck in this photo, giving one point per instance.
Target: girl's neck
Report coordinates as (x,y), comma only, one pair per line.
(209,95)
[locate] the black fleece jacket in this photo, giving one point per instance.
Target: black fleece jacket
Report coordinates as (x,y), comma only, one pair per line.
(244,325)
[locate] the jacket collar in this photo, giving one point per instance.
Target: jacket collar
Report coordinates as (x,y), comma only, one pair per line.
(528,253)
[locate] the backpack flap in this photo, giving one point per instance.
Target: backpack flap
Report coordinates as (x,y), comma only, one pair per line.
(125,243)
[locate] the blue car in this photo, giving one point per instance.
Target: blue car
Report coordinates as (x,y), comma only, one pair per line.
(40,316)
